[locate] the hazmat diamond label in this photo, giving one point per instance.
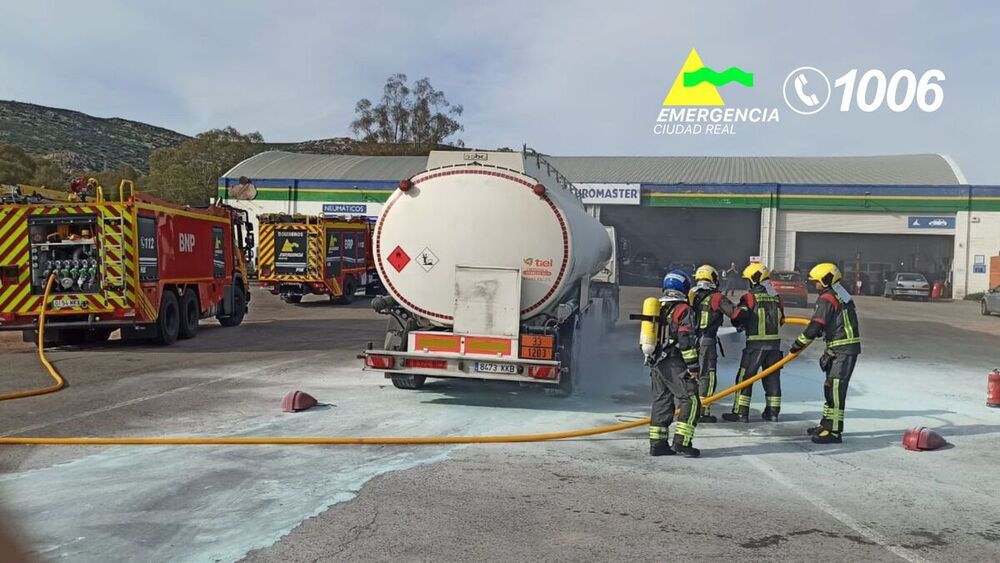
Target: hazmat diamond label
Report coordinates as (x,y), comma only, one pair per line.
(427,259)
(398,258)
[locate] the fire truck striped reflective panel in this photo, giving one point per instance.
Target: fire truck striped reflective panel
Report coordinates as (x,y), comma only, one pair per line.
(265,251)
(14,252)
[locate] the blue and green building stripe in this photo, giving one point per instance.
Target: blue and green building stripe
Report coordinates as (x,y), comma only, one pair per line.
(861,198)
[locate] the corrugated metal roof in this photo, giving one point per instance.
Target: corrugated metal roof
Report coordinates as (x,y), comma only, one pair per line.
(917,169)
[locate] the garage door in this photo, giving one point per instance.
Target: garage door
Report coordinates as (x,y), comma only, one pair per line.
(655,237)
(879,255)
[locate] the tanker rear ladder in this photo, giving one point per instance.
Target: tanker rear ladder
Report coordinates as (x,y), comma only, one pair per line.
(541,160)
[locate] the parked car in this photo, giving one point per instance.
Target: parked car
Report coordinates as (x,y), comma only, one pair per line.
(908,285)
(990,303)
(791,286)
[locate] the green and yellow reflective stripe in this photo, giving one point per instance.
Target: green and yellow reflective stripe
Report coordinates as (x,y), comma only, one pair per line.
(711,382)
(686,430)
(761,323)
(774,401)
(743,400)
(844,342)
(657,432)
(848,327)
(803,340)
(689,355)
(704,320)
(736,397)
(836,413)
(764,337)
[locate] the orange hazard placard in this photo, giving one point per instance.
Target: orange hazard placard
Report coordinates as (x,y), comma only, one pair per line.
(537,346)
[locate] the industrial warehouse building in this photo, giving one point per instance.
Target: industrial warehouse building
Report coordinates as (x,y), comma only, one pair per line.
(875,215)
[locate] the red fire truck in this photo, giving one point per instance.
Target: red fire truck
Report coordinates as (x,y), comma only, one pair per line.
(139,264)
(302,255)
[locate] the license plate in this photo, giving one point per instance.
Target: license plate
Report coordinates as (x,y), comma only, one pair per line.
(491,367)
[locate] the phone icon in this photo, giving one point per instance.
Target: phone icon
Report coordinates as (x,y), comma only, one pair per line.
(803,90)
(808,99)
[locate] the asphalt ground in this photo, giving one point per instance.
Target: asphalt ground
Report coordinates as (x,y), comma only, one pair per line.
(760,490)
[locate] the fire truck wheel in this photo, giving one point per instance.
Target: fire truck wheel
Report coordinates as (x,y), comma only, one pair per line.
(99,335)
(348,297)
(408,381)
(239,308)
(168,324)
(190,314)
(71,337)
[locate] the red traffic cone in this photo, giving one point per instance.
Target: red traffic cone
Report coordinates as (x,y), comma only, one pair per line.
(296,401)
(921,438)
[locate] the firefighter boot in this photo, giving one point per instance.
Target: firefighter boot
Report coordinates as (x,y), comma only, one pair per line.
(770,413)
(826,437)
(688,450)
(734,417)
(707,416)
(660,447)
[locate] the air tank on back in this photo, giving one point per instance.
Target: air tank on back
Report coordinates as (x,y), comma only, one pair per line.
(487,209)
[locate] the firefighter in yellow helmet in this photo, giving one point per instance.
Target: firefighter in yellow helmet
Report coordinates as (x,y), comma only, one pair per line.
(711,307)
(836,320)
(760,314)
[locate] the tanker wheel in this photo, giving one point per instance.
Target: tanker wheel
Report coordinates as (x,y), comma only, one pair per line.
(408,381)
(168,323)
(239,309)
(190,314)
(291,299)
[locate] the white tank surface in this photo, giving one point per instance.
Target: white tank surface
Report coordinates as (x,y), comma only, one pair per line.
(484,209)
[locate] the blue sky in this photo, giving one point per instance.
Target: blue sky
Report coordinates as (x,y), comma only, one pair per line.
(569,78)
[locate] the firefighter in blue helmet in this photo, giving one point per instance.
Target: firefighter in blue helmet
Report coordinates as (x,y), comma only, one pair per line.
(674,371)
(760,315)
(836,320)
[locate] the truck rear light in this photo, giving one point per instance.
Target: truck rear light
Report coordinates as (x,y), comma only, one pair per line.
(318,286)
(8,275)
(6,317)
(380,362)
(542,372)
(421,363)
(405,185)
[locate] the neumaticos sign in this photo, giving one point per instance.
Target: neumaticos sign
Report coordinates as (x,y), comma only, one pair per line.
(608,194)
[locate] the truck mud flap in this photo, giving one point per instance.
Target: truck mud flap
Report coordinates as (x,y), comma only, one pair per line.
(138,332)
(227,300)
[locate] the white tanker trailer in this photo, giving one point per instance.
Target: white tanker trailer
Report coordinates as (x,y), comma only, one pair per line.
(488,259)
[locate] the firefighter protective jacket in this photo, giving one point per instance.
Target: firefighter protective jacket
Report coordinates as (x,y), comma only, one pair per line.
(836,321)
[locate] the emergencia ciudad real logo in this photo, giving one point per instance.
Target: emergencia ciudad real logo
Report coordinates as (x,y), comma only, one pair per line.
(694,106)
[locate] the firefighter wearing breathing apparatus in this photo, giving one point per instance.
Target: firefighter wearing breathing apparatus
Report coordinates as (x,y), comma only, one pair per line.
(668,341)
(710,308)
(760,315)
(836,320)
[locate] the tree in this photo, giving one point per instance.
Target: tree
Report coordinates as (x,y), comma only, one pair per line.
(48,174)
(189,172)
(421,116)
(16,166)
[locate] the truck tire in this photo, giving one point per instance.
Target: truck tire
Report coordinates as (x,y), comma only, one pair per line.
(408,381)
(190,314)
(348,297)
(98,335)
(71,337)
(291,299)
(168,322)
(239,308)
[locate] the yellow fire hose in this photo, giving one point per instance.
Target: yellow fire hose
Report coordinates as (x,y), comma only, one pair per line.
(340,440)
(60,382)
